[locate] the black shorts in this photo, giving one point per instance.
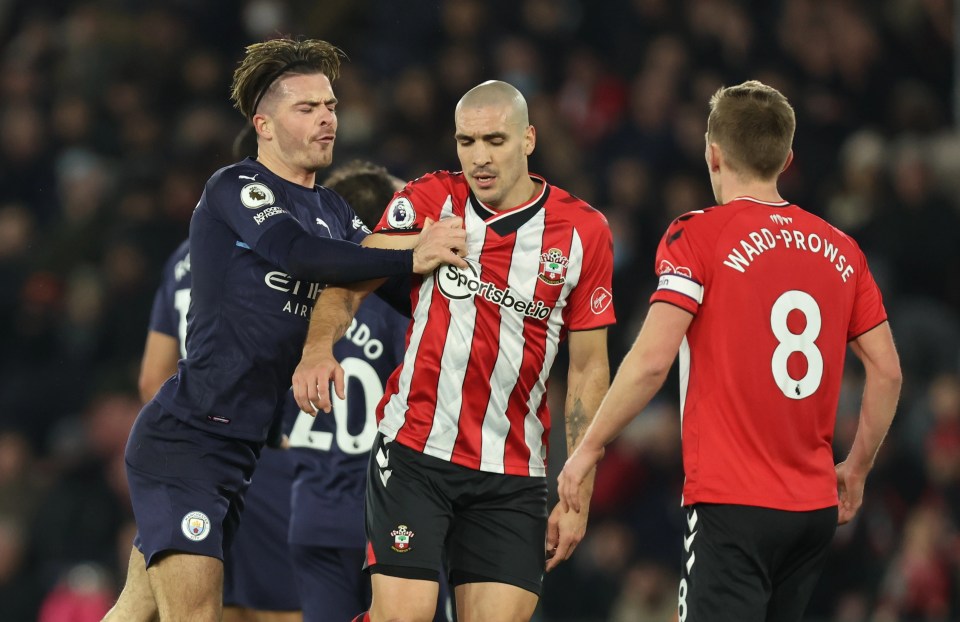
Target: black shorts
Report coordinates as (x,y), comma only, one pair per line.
(751,564)
(423,510)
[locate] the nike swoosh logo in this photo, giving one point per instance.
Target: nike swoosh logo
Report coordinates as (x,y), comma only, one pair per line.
(688,541)
(254,178)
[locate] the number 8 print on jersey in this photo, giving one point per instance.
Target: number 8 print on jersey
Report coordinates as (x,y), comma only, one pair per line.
(776,294)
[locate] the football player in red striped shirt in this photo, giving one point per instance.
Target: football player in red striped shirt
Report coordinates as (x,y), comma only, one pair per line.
(458,468)
(761,299)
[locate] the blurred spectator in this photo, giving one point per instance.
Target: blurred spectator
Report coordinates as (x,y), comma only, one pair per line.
(918,583)
(80,516)
(648,595)
(83,595)
(20,591)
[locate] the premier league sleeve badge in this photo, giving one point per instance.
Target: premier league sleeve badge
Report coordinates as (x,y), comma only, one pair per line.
(400,214)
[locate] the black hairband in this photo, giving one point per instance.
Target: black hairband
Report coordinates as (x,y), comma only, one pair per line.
(273,78)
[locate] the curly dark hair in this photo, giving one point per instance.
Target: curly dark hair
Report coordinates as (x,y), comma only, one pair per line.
(264,62)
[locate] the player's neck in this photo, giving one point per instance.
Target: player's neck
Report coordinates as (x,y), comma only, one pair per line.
(526,191)
(283,170)
(765,191)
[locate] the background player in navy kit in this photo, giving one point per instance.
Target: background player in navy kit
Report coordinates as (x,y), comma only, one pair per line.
(761,299)
(458,468)
(259,582)
(331,452)
(258,251)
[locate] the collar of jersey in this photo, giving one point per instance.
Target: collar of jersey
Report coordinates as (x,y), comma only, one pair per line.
(780,204)
(286,183)
(507,221)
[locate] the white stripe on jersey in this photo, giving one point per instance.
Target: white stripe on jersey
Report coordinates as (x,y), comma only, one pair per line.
(522,279)
(396,407)
(533,428)
(456,354)
(684,369)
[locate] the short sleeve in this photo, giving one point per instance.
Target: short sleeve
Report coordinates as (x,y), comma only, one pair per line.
(591,301)
(164,316)
(408,209)
(868,310)
(679,267)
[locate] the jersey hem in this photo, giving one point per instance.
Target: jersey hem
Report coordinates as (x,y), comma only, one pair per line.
(451,457)
(583,328)
(860,334)
(762,502)
(672,303)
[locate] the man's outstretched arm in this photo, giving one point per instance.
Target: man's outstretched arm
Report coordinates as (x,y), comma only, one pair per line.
(337,305)
(640,376)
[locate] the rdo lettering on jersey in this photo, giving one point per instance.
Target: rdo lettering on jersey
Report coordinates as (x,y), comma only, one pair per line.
(359,334)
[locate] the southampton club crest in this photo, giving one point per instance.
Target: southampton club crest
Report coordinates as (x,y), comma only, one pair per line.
(553,267)
(401,539)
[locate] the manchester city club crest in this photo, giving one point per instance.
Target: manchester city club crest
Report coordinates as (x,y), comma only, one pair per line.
(401,539)
(195,526)
(553,267)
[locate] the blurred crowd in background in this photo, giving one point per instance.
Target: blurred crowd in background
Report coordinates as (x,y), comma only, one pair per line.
(113,113)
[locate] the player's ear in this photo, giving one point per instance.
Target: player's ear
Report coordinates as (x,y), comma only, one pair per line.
(529,140)
(714,157)
(262,125)
(788,162)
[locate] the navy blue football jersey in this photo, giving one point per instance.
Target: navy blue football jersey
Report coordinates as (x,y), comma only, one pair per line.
(258,556)
(248,318)
(172,300)
(331,451)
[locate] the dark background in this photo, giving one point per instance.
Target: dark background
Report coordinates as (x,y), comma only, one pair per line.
(113,113)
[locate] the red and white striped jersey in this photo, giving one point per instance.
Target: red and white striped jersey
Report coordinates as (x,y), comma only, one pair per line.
(472,387)
(777,293)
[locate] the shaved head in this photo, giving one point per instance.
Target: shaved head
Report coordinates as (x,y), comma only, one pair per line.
(494,138)
(494,93)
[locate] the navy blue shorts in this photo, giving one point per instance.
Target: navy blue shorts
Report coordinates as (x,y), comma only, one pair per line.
(335,588)
(186,484)
(258,570)
(331,581)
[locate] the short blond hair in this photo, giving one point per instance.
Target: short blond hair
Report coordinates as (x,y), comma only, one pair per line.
(753,124)
(263,63)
